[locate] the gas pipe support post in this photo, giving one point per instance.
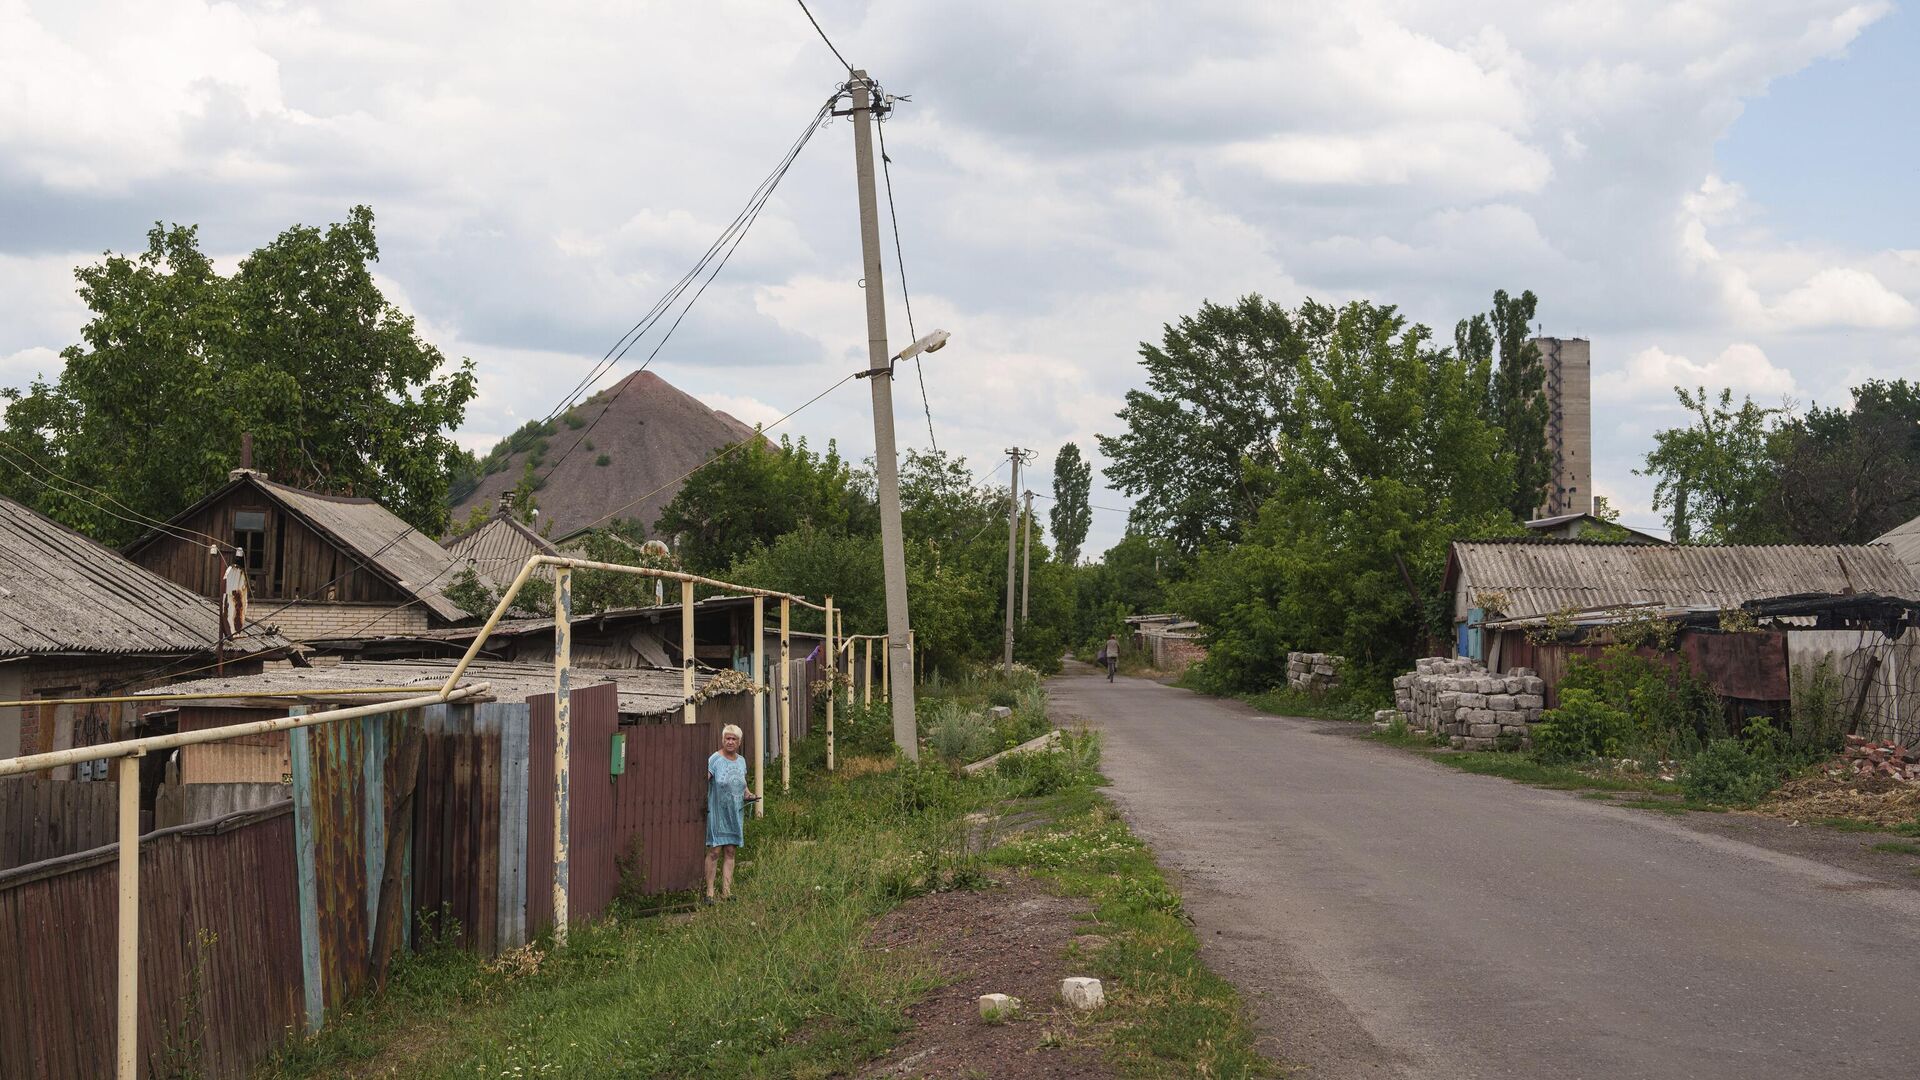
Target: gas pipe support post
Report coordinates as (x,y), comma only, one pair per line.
(562,745)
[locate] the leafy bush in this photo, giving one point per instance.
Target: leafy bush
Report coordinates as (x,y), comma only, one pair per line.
(1741,770)
(957,733)
(1582,728)
(1672,712)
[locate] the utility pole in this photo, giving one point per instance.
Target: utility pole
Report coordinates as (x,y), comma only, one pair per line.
(880,378)
(1013,535)
(1026,558)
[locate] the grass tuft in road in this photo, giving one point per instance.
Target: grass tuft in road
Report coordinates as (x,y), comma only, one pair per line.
(1898,847)
(1166,1013)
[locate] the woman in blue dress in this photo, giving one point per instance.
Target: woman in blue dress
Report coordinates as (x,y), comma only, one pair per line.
(727,795)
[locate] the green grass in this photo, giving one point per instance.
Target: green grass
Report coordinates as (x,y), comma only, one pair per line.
(776,984)
(1333,706)
(780,983)
(1847,824)
(1166,1013)
(1525,770)
(1898,847)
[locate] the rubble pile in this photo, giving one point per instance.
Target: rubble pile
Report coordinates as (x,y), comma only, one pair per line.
(1314,672)
(1460,701)
(1864,757)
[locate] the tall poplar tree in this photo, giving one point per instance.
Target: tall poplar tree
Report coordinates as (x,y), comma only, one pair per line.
(1072,513)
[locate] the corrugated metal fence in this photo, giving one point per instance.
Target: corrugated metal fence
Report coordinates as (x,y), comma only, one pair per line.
(261,922)
(44,819)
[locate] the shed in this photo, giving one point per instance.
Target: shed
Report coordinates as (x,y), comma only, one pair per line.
(499,548)
(330,565)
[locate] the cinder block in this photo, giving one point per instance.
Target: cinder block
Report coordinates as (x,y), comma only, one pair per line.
(998,1006)
(1484,731)
(1500,702)
(1529,701)
(1082,993)
(1476,744)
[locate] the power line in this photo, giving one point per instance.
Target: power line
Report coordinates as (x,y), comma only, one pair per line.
(736,231)
(1090,506)
(900,261)
(142,520)
(823,35)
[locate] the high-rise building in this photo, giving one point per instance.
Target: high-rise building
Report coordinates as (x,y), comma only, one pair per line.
(1569,392)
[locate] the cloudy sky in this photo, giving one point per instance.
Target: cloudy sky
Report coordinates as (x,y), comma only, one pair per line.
(1715,192)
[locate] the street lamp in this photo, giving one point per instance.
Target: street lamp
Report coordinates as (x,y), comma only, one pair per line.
(932,343)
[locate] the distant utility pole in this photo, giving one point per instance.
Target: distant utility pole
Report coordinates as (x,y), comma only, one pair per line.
(1013,537)
(899,659)
(1026,558)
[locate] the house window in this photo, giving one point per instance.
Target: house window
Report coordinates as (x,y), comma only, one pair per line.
(250,540)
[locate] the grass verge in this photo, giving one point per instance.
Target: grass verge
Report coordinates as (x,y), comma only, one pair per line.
(780,983)
(1166,1013)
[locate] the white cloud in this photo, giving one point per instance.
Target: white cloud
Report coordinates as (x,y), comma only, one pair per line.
(1651,374)
(1842,296)
(1069,176)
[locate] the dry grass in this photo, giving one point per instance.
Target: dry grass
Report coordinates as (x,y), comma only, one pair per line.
(1878,800)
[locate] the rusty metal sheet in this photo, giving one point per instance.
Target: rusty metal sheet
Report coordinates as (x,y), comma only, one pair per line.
(593,876)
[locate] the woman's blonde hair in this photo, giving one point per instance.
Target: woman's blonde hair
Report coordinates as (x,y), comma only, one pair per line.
(734,730)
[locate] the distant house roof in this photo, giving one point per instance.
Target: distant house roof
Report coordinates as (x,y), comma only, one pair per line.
(643,691)
(62,593)
(1905,542)
(1537,576)
(1573,526)
(393,549)
(498,549)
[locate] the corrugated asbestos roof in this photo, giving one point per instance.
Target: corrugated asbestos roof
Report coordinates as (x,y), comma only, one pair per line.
(62,593)
(421,567)
(498,549)
(1539,577)
(643,691)
(1905,542)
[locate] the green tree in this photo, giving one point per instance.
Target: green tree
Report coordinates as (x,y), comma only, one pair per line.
(756,493)
(1515,398)
(298,348)
(1716,477)
(1218,398)
(1392,458)
(1072,513)
(1845,476)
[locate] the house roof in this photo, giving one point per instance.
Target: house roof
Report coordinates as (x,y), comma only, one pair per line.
(62,593)
(498,549)
(652,613)
(1905,542)
(1547,524)
(643,691)
(395,550)
(1539,576)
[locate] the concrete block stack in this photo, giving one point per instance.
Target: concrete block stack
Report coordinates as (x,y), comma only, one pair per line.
(1460,701)
(1313,672)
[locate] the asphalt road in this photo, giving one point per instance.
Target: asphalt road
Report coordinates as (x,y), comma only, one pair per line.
(1389,917)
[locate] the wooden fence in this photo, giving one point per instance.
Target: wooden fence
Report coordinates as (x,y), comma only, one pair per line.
(219,952)
(45,819)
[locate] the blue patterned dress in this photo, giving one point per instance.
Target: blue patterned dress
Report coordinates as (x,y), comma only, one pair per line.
(726,794)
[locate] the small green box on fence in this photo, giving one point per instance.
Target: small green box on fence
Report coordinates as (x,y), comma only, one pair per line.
(618,762)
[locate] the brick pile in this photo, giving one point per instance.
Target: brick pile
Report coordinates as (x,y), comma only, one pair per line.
(1863,757)
(1313,672)
(1460,701)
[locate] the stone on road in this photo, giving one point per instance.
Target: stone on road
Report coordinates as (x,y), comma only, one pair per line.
(1390,917)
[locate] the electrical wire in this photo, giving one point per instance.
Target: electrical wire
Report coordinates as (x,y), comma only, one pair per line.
(143,520)
(621,346)
(823,36)
(900,261)
(1090,506)
(730,239)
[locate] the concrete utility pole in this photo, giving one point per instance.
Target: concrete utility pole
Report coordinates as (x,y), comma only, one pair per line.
(1026,558)
(1013,535)
(880,378)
